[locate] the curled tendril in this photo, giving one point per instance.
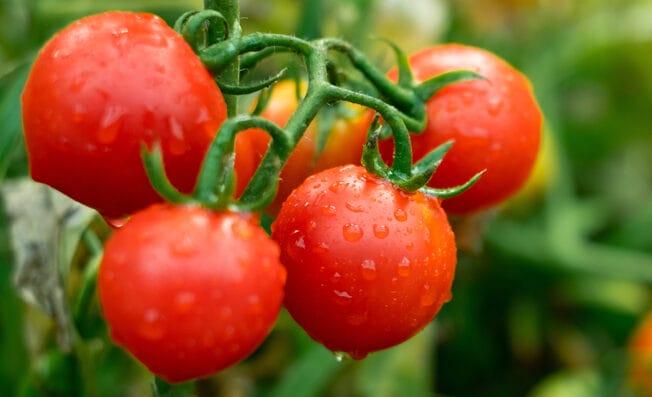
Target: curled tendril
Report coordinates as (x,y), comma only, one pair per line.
(201,28)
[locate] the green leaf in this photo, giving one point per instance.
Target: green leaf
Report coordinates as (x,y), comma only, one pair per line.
(309,374)
(10,115)
(431,86)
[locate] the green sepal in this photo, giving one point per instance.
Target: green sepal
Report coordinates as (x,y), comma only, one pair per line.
(452,191)
(155,170)
(423,170)
(229,89)
(430,87)
(405,75)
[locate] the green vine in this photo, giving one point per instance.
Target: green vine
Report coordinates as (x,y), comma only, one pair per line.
(215,35)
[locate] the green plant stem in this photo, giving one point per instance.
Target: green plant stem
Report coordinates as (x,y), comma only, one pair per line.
(230,9)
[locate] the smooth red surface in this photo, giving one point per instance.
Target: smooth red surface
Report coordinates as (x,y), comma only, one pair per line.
(495,123)
(101,89)
(189,291)
(368,265)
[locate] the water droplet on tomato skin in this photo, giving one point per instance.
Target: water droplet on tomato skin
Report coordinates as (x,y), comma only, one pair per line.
(368,269)
(352,232)
(494,105)
(400,215)
(380,231)
(404,267)
(330,210)
(184,302)
(339,356)
(342,298)
(177,144)
(116,223)
(358,355)
(354,207)
(428,297)
(151,327)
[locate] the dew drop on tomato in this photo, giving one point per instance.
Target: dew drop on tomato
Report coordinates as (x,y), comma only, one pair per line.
(151,327)
(400,215)
(342,298)
(354,207)
(184,302)
(404,267)
(368,269)
(380,231)
(352,232)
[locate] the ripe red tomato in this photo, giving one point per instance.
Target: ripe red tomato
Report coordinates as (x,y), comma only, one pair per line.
(189,291)
(640,352)
(344,145)
(101,89)
(495,123)
(368,265)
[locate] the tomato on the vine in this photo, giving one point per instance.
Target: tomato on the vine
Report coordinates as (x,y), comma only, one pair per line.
(343,145)
(368,265)
(189,291)
(100,90)
(495,123)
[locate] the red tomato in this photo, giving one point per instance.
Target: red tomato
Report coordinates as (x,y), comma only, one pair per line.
(640,351)
(344,145)
(189,291)
(368,265)
(495,123)
(101,89)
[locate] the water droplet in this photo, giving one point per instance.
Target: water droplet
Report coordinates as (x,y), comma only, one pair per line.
(312,225)
(320,248)
(336,277)
(381,231)
(184,246)
(354,207)
(300,243)
(400,215)
(352,232)
(368,269)
(342,297)
(242,230)
(494,105)
(335,187)
(184,302)
(329,210)
(448,295)
(255,306)
(110,125)
(177,143)
(116,223)
(339,356)
(404,267)
(151,327)
(428,297)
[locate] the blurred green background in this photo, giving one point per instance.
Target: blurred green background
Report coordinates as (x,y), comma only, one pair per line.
(549,287)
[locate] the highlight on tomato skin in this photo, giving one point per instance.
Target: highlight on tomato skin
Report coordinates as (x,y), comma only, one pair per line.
(368,265)
(189,291)
(495,124)
(103,87)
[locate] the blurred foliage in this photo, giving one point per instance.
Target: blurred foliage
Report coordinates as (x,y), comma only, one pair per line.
(548,289)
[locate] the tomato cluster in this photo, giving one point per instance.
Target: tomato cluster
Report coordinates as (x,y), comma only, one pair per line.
(188,290)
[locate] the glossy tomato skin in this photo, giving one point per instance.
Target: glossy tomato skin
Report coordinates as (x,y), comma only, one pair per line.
(344,144)
(102,88)
(368,265)
(495,122)
(188,291)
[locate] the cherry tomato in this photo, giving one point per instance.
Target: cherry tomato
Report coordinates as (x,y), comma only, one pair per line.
(640,351)
(344,145)
(189,291)
(495,123)
(102,88)
(368,265)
